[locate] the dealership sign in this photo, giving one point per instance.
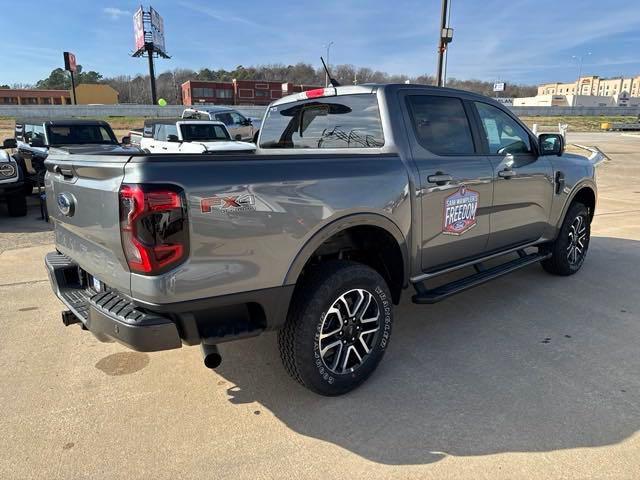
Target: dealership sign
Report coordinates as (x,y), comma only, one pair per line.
(138,29)
(157,30)
(70,62)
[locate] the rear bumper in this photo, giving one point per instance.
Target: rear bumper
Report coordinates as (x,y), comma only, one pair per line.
(150,327)
(109,314)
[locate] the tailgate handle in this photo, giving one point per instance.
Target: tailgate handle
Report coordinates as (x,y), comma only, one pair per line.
(66,172)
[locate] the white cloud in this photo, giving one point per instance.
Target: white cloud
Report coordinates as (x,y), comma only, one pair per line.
(115,13)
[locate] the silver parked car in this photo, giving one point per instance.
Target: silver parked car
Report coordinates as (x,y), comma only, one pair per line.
(239,126)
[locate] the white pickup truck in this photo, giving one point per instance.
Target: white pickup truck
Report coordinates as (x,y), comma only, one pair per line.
(189,136)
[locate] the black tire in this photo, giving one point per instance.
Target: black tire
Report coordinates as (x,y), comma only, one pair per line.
(17,205)
(570,248)
(312,314)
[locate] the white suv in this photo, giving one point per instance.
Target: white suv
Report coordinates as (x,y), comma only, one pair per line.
(189,136)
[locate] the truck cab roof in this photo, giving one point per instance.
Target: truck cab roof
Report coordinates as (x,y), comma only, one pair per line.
(372,88)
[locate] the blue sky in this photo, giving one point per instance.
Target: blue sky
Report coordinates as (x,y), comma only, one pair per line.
(517,41)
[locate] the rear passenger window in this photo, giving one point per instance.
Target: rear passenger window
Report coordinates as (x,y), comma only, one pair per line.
(344,121)
(440,124)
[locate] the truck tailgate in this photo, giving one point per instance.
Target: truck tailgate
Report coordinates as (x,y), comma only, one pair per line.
(82,200)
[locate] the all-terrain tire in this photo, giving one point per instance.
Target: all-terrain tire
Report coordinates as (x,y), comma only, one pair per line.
(569,250)
(332,295)
(17,205)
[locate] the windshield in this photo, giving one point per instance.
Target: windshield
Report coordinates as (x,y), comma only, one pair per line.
(346,121)
(80,135)
(193,132)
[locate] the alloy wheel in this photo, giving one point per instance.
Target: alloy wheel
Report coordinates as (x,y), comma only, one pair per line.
(577,240)
(349,330)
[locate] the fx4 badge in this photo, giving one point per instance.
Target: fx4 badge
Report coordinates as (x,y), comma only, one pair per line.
(228,202)
(460,211)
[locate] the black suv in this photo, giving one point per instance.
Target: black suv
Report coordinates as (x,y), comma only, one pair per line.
(36,137)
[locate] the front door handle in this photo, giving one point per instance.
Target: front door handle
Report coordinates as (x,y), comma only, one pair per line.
(507,173)
(439,178)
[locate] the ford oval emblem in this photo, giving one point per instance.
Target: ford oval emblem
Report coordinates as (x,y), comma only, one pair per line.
(66,204)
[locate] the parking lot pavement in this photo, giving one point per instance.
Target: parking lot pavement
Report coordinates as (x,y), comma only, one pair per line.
(530,376)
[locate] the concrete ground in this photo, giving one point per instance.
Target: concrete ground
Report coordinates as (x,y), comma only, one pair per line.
(530,376)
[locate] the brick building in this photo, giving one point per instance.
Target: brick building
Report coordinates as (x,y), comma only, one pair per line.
(10,96)
(237,92)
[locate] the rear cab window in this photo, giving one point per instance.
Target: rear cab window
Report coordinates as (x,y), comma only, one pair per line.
(343,121)
(79,134)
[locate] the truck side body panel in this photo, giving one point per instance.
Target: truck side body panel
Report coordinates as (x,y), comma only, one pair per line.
(250,218)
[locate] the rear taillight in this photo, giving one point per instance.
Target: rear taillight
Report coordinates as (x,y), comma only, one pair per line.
(153,227)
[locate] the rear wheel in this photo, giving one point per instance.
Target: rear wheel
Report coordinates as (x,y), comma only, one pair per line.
(17,205)
(338,327)
(570,248)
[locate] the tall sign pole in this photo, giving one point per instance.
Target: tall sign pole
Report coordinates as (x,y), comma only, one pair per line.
(71,67)
(148,31)
(152,75)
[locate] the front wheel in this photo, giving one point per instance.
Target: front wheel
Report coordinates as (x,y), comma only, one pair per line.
(338,327)
(569,250)
(17,205)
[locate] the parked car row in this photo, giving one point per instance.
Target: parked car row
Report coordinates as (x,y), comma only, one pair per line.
(214,129)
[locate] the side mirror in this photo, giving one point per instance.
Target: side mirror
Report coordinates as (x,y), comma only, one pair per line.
(173,138)
(551,144)
(238,137)
(10,143)
(37,142)
(247,122)
(126,140)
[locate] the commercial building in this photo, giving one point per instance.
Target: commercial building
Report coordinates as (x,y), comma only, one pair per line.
(96,94)
(87,94)
(548,100)
(237,92)
(11,96)
(594,86)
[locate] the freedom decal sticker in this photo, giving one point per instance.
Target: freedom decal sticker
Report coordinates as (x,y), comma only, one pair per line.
(460,211)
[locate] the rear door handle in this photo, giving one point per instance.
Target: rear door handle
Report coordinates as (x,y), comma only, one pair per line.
(507,173)
(439,178)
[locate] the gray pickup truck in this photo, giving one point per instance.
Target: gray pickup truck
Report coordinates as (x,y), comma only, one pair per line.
(354,194)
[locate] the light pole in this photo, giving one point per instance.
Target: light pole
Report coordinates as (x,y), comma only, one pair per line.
(580,59)
(326,75)
(446,36)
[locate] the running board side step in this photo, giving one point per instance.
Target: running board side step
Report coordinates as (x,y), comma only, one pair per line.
(437,294)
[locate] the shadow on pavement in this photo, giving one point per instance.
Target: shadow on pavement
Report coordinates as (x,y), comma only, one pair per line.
(32,222)
(527,363)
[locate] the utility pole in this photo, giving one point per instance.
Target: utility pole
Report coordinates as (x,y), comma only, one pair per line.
(446,36)
(326,75)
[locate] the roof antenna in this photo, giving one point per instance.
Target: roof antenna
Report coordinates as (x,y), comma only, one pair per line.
(333,81)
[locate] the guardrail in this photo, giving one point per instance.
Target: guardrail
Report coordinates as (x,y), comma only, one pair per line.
(99,111)
(574,111)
